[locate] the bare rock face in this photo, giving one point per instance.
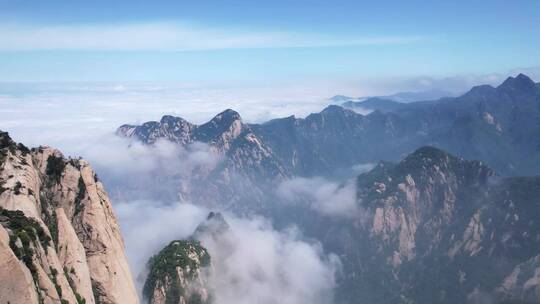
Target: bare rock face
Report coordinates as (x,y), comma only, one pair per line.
(421,196)
(440,229)
(524,281)
(61,238)
(15,278)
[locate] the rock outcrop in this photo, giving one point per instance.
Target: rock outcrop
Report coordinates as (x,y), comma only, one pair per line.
(177,275)
(182,271)
(441,229)
(60,240)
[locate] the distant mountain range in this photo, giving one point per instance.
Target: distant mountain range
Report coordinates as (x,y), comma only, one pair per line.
(431,226)
(402,97)
(497,125)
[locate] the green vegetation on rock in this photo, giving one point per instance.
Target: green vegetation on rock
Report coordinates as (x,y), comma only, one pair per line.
(55,167)
(24,226)
(28,232)
(190,256)
(80,196)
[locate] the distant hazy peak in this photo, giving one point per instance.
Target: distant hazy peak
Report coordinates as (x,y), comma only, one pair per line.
(520,82)
(429,156)
(228,114)
(340,98)
(334,109)
(169,119)
(429,153)
(214,226)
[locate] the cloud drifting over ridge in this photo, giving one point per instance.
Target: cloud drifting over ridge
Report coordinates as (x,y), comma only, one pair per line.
(171,37)
(252,263)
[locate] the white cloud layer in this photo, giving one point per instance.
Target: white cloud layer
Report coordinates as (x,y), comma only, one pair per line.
(169,37)
(79,119)
(253,263)
(148,226)
(132,170)
(65,114)
(324,196)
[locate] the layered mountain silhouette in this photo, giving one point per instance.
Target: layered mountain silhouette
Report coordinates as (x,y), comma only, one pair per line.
(401,97)
(497,125)
(431,225)
(237,180)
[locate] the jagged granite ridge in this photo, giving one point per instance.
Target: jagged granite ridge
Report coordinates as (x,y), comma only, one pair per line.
(496,124)
(246,159)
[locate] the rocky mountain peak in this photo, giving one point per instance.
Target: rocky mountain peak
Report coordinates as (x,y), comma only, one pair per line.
(427,156)
(426,169)
(227,115)
(172,120)
(334,110)
(429,162)
(175,129)
(479,92)
(224,119)
(175,274)
(214,225)
(521,82)
(221,129)
(332,113)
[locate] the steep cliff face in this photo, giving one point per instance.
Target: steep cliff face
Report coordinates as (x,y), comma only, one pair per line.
(437,228)
(60,239)
(420,196)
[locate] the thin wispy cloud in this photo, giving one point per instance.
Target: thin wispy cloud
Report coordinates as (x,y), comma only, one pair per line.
(171,37)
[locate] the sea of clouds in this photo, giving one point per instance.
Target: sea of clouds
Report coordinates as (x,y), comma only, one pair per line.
(263,264)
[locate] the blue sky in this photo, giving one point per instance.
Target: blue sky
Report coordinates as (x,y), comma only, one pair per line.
(259,42)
